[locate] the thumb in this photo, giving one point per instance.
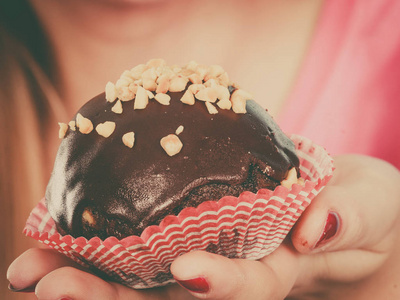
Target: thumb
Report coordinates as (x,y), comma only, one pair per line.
(211,276)
(356,211)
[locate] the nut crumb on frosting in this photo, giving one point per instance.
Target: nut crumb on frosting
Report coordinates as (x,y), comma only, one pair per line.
(179,130)
(171,144)
(291,178)
(141,99)
(150,94)
(207,94)
(72,125)
(63,130)
(188,98)
(163,99)
(111,92)
(84,124)
(129,139)
(105,129)
(204,83)
(211,108)
(154,80)
(239,98)
(117,108)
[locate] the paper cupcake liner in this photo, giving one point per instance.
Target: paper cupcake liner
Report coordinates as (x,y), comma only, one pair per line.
(250,226)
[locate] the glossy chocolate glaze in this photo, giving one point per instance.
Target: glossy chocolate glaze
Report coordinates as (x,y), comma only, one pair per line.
(128,189)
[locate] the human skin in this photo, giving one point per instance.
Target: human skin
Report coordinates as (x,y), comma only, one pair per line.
(360,261)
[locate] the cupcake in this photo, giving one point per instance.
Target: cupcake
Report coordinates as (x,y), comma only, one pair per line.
(168,160)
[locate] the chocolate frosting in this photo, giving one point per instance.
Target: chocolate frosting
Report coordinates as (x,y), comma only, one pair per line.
(138,186)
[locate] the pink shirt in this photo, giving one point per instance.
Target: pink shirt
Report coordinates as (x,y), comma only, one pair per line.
(347,96)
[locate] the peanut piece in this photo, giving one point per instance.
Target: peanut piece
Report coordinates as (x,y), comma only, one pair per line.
(84,124)
(171,144)
(129,139)
(105,129)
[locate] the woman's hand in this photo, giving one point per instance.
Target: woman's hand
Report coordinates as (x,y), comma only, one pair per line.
(344,246)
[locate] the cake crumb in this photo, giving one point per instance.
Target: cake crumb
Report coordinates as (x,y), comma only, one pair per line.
(63,130)
(84,124)
(105,129)
(171,144)
(129,139)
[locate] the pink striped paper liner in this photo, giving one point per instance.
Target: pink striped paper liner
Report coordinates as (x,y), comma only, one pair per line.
(249,226)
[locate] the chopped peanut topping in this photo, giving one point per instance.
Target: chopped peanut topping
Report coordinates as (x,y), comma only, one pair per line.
(188,98)
(149,84)
(156,62)
(123,81)
(88,217)
(224,104)
(162,99)
(215,71)
(210,83)
(72,125)
(202,70)
(207,94)
(155,79)
(179,130)
(105,129)
(239,98)
(224,79)
(63,130)
(192,66)
(222,92)
(117,108)
(138,70)
(211,108)
(111,92)
(150,94)
(171,144)
(129,139)
(195,88)
(163,85)
(195,78)
(125,94)
(84,124)
(291,178)
(141,99)
(178,84)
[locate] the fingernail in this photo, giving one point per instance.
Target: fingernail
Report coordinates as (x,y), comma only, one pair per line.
(197,285)
(29,289)
(331,227)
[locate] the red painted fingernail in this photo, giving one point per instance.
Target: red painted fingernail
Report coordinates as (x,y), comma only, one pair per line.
(197,285)
(331,227)
(29,289)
